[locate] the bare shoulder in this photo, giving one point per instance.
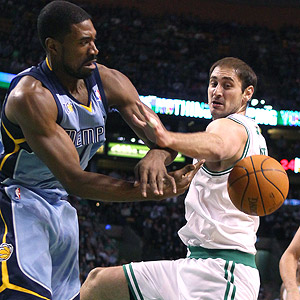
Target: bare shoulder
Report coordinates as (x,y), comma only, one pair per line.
(225,124)
(117,86)
(29,97)
(108,74)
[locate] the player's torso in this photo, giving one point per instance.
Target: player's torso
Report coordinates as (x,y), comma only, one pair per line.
(212,220)
(85,124)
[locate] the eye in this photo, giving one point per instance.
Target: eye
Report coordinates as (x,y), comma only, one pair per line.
(227,85)
(213,83)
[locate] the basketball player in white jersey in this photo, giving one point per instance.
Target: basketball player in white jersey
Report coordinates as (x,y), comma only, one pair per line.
(220,239)
(289,267)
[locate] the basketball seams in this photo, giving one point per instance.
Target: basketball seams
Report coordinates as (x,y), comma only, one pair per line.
(270,187)
(257,183)
(283,197)
(263,170)
(245,189)
(250,173)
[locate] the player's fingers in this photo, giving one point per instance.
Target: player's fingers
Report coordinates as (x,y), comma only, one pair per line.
(141,179)
(137,121)
(153,182)
(191,170)
(198,165)
(149,117)
(160,184)
(171,180)
(142,109)
(183,172)
(143,186)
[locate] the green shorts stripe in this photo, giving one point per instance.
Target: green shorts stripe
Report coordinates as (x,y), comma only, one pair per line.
(132,282)
(231,287)
(236,256)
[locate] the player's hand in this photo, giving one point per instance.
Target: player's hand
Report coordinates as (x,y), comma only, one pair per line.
(152,127)
(151,172)
(183,177)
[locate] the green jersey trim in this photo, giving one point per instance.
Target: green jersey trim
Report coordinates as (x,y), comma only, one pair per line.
(244,154)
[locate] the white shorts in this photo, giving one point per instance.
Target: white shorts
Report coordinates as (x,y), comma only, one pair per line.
(192,279)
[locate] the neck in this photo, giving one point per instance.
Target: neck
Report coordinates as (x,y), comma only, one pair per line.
(72,84)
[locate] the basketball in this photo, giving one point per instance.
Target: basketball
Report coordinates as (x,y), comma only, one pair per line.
(258,185)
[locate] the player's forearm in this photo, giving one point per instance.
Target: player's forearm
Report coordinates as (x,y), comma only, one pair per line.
(105,188)
(288,268)
(200,145)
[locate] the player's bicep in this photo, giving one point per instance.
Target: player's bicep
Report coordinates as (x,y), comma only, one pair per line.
(233,136)
(36,113)
(122,95)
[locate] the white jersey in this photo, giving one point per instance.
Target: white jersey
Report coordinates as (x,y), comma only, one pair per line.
(213,222)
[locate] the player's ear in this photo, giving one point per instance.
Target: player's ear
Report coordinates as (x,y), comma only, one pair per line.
(52,45)
(248,92)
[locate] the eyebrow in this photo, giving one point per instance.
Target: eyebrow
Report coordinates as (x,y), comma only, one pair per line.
(223,78)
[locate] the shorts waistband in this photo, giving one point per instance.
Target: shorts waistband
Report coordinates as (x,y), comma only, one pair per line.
(237,256)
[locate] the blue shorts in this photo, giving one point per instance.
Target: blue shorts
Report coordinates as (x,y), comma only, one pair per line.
(38,246)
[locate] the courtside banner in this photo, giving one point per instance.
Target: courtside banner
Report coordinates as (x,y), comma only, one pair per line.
(133,151)
(196,109)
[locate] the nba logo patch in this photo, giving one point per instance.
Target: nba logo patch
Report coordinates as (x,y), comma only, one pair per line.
(6,251)
(18,193)
(98,96)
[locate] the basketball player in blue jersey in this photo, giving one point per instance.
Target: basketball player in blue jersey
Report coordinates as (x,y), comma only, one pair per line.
(220,239)
(53,122)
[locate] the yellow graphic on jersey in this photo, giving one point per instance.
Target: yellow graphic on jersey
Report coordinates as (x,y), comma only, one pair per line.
(6,251)
(70,107)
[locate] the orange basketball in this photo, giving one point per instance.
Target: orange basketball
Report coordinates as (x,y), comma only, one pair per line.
(258,185)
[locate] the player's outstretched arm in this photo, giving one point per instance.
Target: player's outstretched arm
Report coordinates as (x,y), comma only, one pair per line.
(121,94)
(33,108)
(223,139)
(288,267)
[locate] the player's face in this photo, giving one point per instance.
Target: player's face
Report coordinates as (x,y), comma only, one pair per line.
(225,94)
(79,50)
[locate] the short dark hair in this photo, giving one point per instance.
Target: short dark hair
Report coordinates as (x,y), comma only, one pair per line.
(56,18)
(243,70)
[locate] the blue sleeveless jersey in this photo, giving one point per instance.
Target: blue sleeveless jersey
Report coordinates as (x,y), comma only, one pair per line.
(84,124)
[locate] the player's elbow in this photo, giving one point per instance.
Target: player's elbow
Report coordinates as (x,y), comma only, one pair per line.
(71,188)
(74,184)
(216,152)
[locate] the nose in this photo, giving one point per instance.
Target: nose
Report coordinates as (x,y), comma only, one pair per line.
(93,49)
(217,91)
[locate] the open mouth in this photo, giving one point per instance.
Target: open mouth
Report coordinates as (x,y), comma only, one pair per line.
(217,103)
(89,63)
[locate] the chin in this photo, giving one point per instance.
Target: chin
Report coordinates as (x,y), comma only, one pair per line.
(218,115)
(84,75)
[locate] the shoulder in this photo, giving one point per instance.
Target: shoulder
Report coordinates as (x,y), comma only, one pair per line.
(29,95)
(112,80)
(224,124)
(117,86)
(108,74)
(229,129)
(27,85)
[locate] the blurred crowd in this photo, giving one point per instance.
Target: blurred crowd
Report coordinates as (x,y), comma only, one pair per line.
(167,56)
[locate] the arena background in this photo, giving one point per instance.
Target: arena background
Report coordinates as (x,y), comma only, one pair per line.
(166,48)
